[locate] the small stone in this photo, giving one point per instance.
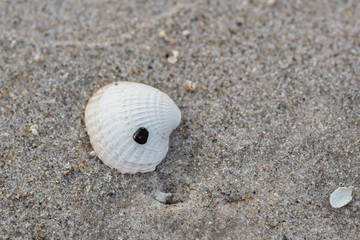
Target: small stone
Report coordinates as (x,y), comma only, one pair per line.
(189,85)
(92,153)
(164,197)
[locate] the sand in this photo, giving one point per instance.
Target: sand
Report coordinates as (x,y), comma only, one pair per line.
(271,130)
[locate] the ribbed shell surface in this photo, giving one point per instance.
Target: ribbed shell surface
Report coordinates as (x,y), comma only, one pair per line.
(115,112)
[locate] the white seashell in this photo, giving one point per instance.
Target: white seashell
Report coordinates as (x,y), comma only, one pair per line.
(129,125)
(341,196)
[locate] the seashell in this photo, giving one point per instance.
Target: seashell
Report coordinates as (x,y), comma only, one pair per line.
(129,125)
(341,196)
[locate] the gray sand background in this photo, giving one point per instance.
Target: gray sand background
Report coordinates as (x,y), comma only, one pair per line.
(270,131)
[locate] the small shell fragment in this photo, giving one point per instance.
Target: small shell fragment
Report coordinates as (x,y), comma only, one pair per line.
(34,129)
(186,33)
(341,196)
(173,56)
(38,58)
(270,2)
(189,85)
(13,44)
(162,34)
(164,197)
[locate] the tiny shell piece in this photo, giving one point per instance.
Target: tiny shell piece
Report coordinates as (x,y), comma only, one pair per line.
(129,125)
(162,34)
(186,33)
(38,58)
(164,197)
(174,56)
(189,85)
(341,196)
(34,129)
(271,2)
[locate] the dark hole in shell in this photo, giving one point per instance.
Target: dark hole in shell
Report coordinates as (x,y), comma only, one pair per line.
(141,135)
